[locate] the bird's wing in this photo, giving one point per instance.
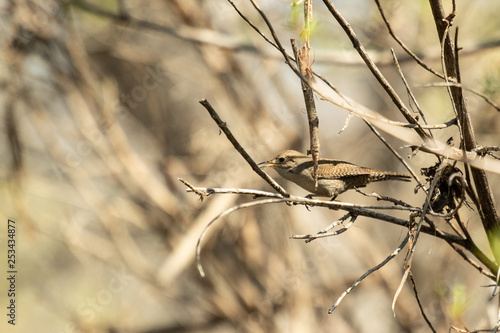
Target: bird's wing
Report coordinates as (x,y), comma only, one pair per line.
(338,169)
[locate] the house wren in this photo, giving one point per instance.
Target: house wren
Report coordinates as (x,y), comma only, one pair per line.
(334,176)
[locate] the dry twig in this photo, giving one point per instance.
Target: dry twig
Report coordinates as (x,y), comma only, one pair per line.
(367,273)
(222,125)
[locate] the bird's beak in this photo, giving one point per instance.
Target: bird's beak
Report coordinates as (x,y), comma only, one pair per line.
(269,163)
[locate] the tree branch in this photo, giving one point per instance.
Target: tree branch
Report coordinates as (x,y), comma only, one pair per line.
(487,206)
(373,68)
(222,125)
(354,209)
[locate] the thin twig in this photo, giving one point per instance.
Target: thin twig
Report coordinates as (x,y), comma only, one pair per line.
(247,20)
(416,234)
(408,90)
(280,47)
(222,125)
(370,271)
(491,266)
(336,223)
(373,68)
(354,209)
(403,46)
(201,192)
(324,233)
(415,292)
(461,225)
(383,198)
(447,77)
(300,200)
(309,238)
(206,191)
(304,62)
(395,153)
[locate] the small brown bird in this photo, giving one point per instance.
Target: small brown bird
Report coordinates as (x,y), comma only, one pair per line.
(334,176)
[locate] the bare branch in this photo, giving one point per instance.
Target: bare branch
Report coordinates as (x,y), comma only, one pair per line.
(403,46)
(370,271)
(373,68)
(202,193)
(304,62)
(476,252)
(222,125)
(415,292)
(408,90)
(487,206)
(404,134)
(207,191)
(247,20)
(398,156)
(324,233)
(354,209)
(384,198)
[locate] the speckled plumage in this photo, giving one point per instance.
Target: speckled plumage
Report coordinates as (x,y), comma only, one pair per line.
(334,176)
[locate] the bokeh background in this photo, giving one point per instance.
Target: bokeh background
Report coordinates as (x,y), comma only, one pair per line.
(100,117)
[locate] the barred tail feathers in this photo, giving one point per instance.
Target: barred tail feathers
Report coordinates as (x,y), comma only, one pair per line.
(391,176)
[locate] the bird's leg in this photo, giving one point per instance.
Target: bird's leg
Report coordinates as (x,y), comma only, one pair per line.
(311,196)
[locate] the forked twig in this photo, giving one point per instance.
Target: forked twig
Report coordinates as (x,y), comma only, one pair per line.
(324,233)
(201,192)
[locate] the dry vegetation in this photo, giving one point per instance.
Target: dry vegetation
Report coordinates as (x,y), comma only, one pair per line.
(101,116)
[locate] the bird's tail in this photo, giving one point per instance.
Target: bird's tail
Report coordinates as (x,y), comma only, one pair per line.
(392,176)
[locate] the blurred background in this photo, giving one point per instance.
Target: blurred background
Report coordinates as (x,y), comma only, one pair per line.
(100,117)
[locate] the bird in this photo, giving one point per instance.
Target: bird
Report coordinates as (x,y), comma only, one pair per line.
(334,176)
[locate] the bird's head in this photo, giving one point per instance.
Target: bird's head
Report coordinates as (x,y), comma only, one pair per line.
(285,160)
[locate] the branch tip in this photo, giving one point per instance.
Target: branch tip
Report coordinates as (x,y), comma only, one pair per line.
(201,193)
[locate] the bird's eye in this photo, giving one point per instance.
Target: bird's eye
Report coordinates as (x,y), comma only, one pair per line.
(281,160)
